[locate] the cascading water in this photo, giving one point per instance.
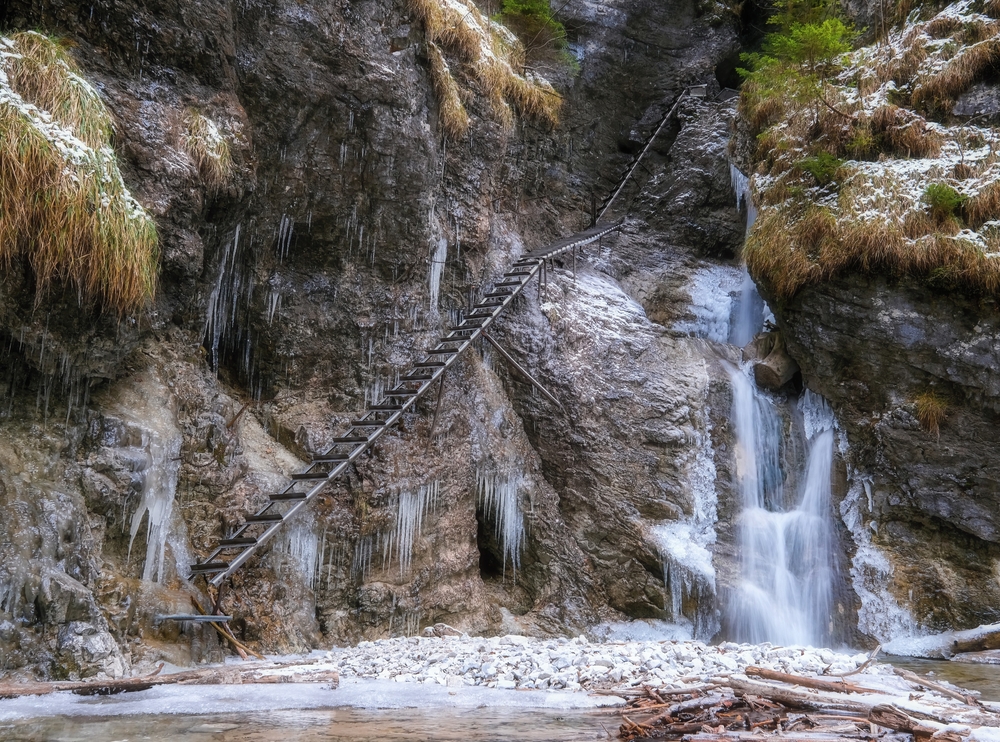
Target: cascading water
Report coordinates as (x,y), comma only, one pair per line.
(785,537)
(785,544)
(786,583)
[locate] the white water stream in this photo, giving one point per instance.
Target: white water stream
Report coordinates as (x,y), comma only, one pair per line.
(785,531)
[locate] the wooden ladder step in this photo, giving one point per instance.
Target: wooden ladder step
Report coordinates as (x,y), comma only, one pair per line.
(402,393)
(429,364)
(288,496)
(330,458)
(441,351)
(367,423)
(351,439)
(310,475)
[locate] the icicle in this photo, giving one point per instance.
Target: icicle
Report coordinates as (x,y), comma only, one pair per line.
(499,498)
(163,451)
(438,259)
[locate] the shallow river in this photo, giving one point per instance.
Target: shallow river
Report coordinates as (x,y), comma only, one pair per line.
(360,710)
(365,710)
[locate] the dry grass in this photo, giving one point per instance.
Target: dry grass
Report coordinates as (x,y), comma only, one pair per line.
(454,118)
(759,108)
(46,76)
(942,26)
(931,411)
(65,209)
(992,8)
(939,91)
(903,69)
(208,148)
(494,57)
(903,133)
(790,251)
(984,206)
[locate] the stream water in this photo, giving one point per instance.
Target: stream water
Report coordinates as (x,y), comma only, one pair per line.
(358,710)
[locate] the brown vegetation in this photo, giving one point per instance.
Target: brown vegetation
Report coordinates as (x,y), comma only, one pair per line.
(65,209)
(494,57)
(938,92)
(930,412)
(903,133)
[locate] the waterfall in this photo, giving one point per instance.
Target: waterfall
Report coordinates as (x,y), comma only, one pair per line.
(785,535)
(786,583)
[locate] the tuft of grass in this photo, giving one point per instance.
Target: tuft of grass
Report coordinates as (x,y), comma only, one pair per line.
(208,148)
(43,74)
(943,201)
(904,134)
(823,167)
(64,207)
(493,55)
(938,92)
(983,206)
(454,118)
(931,411)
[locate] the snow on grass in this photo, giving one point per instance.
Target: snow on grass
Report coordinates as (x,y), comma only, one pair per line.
(886,95)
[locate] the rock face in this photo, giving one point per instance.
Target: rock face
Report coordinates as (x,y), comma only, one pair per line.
(348,234)
(912,374)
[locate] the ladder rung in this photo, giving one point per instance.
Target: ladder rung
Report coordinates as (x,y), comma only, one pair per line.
(441,351)
(206,568)
(429,364)
(197,617)
(308,475)
(474,322)
(478,315)
(264,517)
(453,340)
(287,496)
(514,282)
(497,294)
(368,423)
(230,542)
(330,458)
(351,439)
(402,393)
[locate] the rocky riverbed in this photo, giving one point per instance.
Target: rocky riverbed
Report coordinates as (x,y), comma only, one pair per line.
(574,664)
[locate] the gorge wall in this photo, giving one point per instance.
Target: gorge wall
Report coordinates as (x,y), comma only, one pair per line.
(348,232)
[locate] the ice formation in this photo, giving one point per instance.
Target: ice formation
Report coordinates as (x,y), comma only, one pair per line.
(163,450)
(498,496)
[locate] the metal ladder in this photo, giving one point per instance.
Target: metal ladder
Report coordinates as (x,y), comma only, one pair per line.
(236,549)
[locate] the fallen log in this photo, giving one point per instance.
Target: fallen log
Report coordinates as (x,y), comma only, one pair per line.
(796,698)
(833,686)
(260,673)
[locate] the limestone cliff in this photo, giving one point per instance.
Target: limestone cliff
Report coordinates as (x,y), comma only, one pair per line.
(345,230)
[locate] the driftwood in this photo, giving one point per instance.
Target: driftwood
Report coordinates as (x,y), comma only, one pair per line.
(833,686)
(937,687)
(797,698)
(258,673)
(893,718)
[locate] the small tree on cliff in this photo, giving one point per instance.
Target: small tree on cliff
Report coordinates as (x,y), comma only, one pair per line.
(795,61)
